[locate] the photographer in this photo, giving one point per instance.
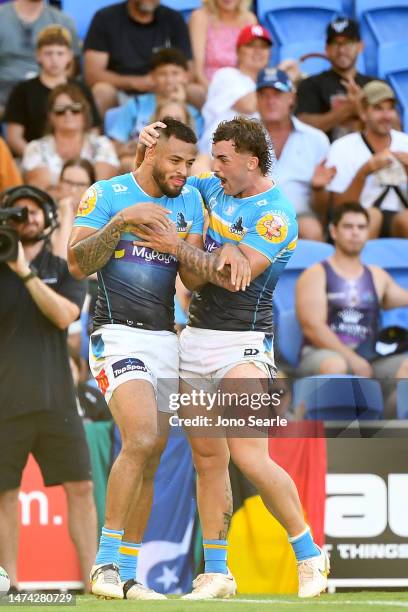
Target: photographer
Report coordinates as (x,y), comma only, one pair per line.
(38,414)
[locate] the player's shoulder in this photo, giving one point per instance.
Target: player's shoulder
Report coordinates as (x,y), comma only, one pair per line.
(272,201)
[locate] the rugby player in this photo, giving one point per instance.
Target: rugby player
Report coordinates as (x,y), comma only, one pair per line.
(229,339)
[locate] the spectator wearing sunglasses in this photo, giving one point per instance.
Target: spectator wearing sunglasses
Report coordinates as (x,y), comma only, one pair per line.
(69,136)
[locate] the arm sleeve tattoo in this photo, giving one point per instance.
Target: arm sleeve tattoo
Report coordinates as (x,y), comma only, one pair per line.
(93,252)
(204,265)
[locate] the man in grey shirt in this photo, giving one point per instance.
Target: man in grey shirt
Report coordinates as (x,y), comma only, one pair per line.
(20,23)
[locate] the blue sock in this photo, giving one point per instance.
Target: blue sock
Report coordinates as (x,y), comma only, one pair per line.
(215,556)
(108,546)
(303,546)
(128,556)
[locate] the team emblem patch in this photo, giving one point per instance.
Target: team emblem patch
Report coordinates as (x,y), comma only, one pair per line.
(272,228)
(88,202)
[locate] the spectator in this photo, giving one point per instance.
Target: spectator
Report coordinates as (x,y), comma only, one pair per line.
(37,403)
(300,151)
(69,120)
(338,305)
(26,109)
(20,23)
(232,90)
(214,30)
(330,100)
(372,165)
(76,176)
(9,174)
(169,74)
(119,45)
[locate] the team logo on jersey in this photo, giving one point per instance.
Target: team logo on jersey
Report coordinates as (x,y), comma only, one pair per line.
(181,223)
(88,202)
(272,228)
(237,227)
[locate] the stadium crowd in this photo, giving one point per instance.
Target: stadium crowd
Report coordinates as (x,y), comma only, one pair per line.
(71,113)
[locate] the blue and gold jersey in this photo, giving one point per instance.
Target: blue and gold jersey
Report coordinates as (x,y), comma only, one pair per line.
(137,285)
(265,222)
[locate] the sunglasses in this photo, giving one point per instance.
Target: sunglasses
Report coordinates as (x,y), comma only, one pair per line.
(75,108)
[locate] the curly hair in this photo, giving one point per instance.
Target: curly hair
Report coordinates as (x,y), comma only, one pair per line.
(248,135)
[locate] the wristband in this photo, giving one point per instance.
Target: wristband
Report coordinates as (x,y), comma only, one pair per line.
(28,277)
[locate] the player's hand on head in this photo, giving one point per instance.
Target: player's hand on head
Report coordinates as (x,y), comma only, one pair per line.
(230,255)
(146,212)
(158,238)
(150,133)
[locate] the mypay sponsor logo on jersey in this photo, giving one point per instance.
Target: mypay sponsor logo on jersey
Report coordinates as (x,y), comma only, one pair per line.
(128,365)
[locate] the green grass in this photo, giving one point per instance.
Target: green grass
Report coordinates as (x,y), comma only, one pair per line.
(340,602)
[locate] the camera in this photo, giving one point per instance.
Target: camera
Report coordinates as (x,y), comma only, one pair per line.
(9,237)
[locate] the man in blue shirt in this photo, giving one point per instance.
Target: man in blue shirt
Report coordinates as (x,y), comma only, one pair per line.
(227,345)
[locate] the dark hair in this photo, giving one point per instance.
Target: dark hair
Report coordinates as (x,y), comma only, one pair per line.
(168,56)
(348,207)
(75,93)
(80,162)
(179,130)
(247,135)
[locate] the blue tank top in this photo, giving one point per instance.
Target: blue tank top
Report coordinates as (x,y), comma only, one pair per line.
(353,308)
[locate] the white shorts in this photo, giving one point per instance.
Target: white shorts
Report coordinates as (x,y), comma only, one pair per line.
(209,354)
(118,353)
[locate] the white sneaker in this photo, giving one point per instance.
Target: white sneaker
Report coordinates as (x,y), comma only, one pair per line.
(135,590)
(211,585)
(105,581)
(313,574)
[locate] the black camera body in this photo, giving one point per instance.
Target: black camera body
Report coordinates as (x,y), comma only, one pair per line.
(8,235)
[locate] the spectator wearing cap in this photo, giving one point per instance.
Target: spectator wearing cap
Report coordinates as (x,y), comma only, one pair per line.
(300,150)
(330,100)
(233,90)
(26,109)
(214,30)
(372,165)
(120,43)
(20,23)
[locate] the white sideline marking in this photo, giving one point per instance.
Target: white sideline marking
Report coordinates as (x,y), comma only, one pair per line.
(313,602)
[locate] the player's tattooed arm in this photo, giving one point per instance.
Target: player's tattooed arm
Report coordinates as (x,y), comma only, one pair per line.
(93,252)
(204,265)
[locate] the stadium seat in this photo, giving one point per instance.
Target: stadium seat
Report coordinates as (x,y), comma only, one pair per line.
(82,12)
(110,117)
(393,65)
(391,255)
(291,21)
(288,339)
(381,21)
(402,399)
(184,6)
(339,398)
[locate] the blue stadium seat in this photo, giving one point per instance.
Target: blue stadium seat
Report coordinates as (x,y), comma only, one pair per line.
(82,12)
(288,339)
(110,117)
(402,399)
(391,255)
(290,21)
(399,83)
(184,6)
(393,65)
(339,398)
(382,21)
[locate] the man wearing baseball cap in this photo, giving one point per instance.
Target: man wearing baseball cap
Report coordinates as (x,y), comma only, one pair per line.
(372,165)
(329,100)
(300,151)
(232,90)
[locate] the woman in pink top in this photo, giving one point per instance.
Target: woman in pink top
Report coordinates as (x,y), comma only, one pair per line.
(214,30)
